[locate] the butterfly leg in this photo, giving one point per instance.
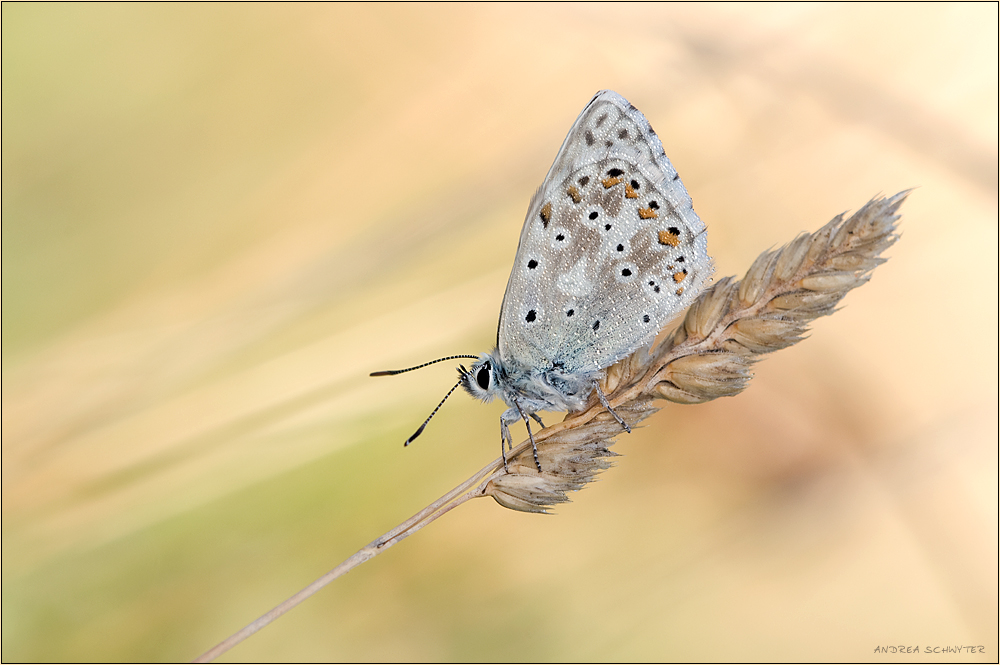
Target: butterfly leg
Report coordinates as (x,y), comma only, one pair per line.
(527,423)
(537,419)
(604,402)
(505,436)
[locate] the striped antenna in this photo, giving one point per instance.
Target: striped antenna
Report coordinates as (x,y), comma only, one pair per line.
(421,428)
(391,372)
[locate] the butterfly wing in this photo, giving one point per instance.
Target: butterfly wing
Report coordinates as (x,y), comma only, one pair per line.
(611,248)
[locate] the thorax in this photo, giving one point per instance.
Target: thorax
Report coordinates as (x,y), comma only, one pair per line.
(544,389)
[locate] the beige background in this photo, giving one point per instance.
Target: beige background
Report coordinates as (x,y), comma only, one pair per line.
(218,219)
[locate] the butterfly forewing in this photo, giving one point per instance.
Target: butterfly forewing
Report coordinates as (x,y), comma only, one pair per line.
(611,248)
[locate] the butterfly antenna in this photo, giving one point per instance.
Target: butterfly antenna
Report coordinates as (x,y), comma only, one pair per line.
(391,372)
(421,428)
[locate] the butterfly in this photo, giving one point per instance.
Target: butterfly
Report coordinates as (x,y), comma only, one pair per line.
(611,249)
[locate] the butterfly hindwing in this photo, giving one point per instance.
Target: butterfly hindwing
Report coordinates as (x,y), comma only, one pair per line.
(611,248)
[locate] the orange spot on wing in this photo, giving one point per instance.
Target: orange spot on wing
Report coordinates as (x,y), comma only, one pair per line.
(546,213)
(666,237)
(649,213)
(679,291)
(574,194)
(679,276)
(629,192)
(610,182)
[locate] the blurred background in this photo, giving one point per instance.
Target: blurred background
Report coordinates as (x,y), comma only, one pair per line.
(218,219)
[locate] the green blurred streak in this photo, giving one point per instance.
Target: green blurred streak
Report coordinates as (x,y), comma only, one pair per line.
(169,591)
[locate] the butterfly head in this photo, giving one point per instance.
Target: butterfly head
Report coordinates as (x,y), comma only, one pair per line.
(483,379)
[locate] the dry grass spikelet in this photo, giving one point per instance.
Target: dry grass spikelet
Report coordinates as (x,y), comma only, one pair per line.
(727,329)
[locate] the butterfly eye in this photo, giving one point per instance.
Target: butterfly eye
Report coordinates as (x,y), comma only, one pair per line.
(483,377)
